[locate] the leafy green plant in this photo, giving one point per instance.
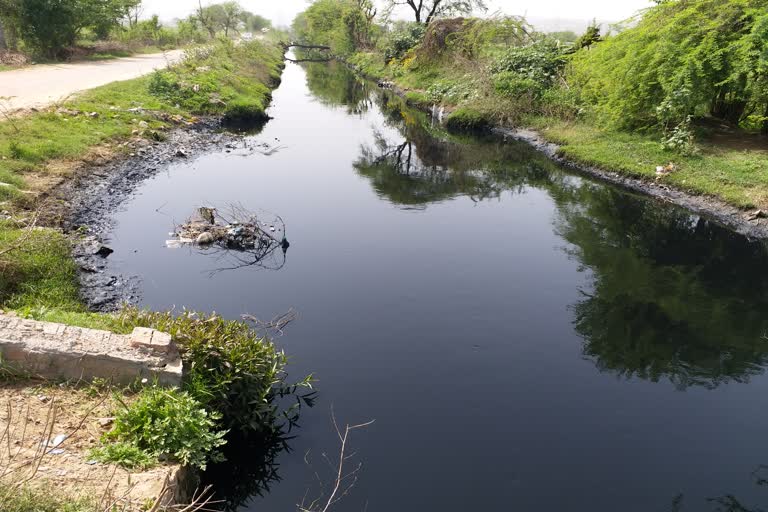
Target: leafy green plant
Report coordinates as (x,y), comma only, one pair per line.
(403,36)
(124,454)
(468,119)
(231,370)
(542,62)
(682,58)
(164,423)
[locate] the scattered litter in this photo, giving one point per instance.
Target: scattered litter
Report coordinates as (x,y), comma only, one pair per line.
(759,214)
(57,451)
(239,231)
(665,170)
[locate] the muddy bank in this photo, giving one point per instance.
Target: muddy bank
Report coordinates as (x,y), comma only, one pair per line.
(88,202)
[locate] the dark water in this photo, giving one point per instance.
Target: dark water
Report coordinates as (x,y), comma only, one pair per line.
(525,339)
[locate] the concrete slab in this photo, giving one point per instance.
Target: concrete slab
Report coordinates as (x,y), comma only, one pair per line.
(58,351)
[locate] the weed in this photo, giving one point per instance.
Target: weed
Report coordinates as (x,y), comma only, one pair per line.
(123,454)
(230,369)
(163,424)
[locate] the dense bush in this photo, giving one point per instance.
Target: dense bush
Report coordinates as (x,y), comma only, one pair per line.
(683,58)
(204,82)
(541,62)
(344,25)
(230,369)
(467,119)
(401,38)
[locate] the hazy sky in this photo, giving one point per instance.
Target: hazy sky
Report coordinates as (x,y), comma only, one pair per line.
(281,12)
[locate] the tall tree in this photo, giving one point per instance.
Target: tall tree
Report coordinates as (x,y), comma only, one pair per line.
(231,16)
(425,11)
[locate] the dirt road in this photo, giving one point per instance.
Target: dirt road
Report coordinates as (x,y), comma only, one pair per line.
(44,84)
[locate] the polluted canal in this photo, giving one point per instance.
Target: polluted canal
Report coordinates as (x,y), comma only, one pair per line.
(524,338)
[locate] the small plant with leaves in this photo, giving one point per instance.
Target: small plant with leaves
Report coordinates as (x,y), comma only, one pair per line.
(163,424)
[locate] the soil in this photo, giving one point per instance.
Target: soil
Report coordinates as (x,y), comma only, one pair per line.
(32,414)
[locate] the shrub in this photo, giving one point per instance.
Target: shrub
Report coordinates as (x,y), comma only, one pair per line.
(124,454)
(468,119)
(684,58)
(512,84)
(541,62)
(164,423)
(230,370)
(404,36)
(244,111)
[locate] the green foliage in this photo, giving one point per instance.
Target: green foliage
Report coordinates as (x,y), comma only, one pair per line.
(167,424)
(38,272)
(402,38)
(50,26)
(468,119)
(206,82)
(590,37)
(513,85)
(426,11)
(683,58)
(541,62)
(123,454)
(230,369)
(344,25)
(27,499)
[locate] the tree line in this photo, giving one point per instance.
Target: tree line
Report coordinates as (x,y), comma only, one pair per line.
(670,66)
(51,28)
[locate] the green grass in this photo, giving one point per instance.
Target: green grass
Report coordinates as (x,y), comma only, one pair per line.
(227,78)
(240,75)
(739,177)
(43,500)
(40,272)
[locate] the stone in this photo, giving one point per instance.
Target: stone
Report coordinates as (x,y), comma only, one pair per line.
(205,238)
(57,351)
(150,339)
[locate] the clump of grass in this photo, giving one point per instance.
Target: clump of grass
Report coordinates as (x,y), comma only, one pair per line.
(162,424)
(28,499)
(468,119)
(39,272)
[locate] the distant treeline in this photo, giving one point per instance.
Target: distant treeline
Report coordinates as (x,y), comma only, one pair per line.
(53,28)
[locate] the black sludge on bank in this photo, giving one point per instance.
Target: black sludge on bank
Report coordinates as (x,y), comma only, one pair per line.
(525,338)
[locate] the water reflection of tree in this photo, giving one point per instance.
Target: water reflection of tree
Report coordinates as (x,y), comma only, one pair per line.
(335,85)
(671,295)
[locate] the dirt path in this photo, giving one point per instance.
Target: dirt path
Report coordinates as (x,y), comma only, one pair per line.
(44,84)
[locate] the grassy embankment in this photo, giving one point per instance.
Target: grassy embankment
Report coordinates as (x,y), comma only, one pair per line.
(39,278)
(463,66)
(39,150)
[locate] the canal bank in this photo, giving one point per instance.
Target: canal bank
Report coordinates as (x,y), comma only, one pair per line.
(560,321)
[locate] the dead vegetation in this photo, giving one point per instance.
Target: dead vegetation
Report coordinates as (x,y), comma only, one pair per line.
(46,435)
(239,236)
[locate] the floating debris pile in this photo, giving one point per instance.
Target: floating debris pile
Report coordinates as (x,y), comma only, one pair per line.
(238,229)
